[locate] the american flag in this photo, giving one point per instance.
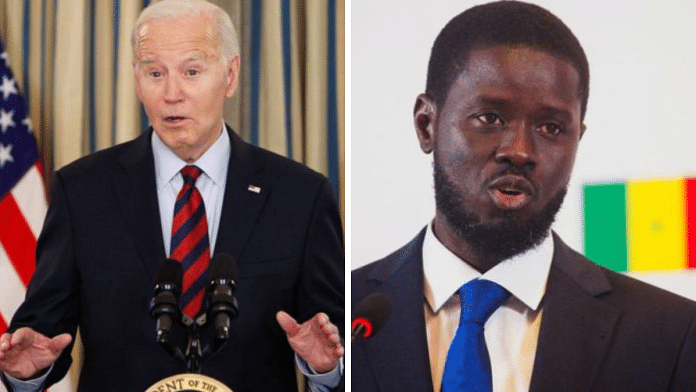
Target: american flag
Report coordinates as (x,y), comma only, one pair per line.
(22,200)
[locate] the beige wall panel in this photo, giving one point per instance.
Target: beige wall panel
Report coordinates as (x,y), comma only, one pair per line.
(315,89)
(14,14)
(44,130)
(104,73)
(69,100)
(34,95)
(127,105)
(3,20)
(297,22)
(272,99)
(233,107)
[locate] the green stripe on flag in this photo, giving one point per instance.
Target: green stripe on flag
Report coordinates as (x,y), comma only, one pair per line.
(605,225)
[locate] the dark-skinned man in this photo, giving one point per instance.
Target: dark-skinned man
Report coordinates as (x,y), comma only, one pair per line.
(487,297)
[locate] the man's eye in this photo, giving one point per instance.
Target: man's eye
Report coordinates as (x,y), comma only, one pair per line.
(192,72)
(155,74)
(551,129)
(489,119)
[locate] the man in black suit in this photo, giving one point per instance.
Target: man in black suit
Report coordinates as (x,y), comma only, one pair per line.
(111,220)
(506,94)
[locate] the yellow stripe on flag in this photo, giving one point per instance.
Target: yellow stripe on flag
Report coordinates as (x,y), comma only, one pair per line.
(656,223)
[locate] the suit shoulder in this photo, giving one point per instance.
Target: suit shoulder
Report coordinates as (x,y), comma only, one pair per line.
(360,274)
(389,263)
(635,292)
(96,163)
(406,261)
(611,286)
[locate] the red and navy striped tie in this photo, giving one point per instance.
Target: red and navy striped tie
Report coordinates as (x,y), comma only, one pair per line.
(190,244)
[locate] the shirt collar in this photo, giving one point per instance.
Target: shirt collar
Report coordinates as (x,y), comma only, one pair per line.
(213,162)
(523,275)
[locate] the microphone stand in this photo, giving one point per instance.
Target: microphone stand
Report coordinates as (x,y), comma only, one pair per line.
(193,350)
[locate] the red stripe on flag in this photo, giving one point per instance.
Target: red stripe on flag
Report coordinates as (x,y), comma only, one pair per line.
(40,168)
(3,325)
(690,222)
(17,239)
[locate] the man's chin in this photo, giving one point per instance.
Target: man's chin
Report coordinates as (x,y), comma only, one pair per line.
(181,147)
(496,217)
(500,241)
(498,234)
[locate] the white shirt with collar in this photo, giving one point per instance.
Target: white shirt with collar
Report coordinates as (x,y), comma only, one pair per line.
(211,184)
(511,333)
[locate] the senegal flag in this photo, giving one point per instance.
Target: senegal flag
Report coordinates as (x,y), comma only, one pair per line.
(641,225)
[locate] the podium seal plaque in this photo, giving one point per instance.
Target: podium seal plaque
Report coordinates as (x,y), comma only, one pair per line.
(188,382)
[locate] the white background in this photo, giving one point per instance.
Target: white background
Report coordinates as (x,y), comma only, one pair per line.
(641,116)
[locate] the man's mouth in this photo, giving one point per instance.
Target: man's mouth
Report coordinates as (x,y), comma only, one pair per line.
(174,119)
(511,191)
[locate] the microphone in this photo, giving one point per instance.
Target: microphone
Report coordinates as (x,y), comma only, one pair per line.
(372,312)
(164,305)
(223,305)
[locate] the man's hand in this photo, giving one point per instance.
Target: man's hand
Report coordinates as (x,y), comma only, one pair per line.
(26,352)
(317,340)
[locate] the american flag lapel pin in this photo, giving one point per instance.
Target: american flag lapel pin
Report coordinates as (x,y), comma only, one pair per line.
(254,188)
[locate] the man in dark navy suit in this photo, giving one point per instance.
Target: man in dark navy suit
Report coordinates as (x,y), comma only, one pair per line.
(503,111)
(111,223)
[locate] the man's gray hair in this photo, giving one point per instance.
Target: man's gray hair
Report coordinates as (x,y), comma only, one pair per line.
(229,45)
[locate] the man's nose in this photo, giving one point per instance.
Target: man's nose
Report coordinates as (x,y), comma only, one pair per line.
(518,145)
(173,91)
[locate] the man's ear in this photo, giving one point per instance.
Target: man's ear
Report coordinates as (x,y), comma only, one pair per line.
(424,116)
(583,128)
(233,65)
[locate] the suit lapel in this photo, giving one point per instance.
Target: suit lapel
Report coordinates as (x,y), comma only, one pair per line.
(576,327)
(135,190)
(399,356)
(245,195)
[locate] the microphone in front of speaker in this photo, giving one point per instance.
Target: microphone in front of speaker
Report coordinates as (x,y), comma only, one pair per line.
(164,305)
(223,305)
(371,314)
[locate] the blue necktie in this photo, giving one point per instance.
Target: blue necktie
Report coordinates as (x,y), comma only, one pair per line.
(468,367)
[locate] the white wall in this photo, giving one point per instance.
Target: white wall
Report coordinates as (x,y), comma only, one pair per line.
(641,117)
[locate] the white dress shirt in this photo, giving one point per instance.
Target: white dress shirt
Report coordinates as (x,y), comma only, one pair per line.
(211,184)
(511,333)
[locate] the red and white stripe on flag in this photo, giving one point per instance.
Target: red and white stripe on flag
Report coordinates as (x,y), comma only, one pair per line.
(22,210)
(22,201)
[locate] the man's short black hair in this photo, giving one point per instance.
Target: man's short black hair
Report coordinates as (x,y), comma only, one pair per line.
(502,23)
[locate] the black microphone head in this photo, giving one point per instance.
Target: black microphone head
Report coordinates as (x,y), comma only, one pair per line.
(372,313)
(223,266)
(169,273)
(220,300)
(168,282)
